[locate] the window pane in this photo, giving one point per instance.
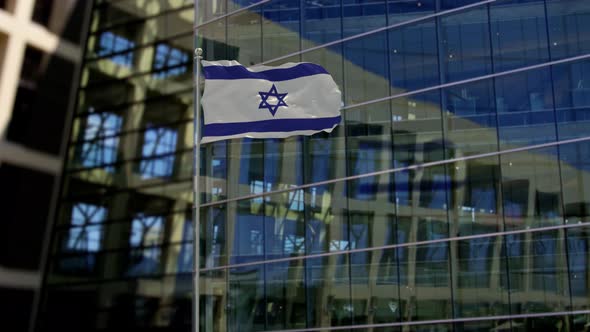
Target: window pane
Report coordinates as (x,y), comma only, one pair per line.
(365,68)
(369,150)
(465,44)
(537,272)
(400,11)
(575,167)
(572,98)
(158,146)
(531,189)
(362,15)
(244,33)
(475,198)
(569,27)
(525,109)
(321,22)
(478,273)
(413,57)
(427,269)
(519,34)
(280,31)
(100,143)
(470,119)
(328,287)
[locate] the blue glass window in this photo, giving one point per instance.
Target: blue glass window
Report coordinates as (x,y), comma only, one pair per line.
(571,83)
(110,43)
(86,231)
(578,250)
(146,237)
(158,149)
(100,144)
(248,242)
(362,15)
(465,48)
(404,10)
(367,161)
(320,22)
(169,61)
(519,34)
(413,57)
(569,27)
(84,237)
(525,108)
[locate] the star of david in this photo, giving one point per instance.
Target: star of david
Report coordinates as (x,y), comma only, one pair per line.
(272,93)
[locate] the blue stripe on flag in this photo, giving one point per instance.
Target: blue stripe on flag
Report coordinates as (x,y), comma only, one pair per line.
(275,75)
(265,126)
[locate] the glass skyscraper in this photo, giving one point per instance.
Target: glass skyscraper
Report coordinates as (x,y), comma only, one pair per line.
(454,195)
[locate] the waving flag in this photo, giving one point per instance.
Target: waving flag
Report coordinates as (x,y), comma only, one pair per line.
(267,102)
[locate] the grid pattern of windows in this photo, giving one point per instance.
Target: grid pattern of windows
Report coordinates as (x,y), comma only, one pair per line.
(461,105)
(121,249)
(468,117)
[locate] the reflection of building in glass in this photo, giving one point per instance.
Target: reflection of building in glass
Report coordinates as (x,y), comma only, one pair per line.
(40,53)
(482,238)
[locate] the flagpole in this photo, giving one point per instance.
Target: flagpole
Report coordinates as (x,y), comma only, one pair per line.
(196,191)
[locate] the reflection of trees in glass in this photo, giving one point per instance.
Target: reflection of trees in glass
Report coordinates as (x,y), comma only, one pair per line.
(100,144)
(159,145)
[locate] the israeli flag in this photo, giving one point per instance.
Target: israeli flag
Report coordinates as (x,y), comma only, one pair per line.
(267,102)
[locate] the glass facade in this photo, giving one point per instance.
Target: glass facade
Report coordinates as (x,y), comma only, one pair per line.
(469,117)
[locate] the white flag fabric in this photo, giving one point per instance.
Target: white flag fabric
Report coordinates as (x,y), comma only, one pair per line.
(267,102)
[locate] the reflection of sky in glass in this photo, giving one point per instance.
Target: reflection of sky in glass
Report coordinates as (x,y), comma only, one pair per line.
(296,202)
(85,234)
(172,58)
(97,150)
(146,232)
(158,141)
(111,43)
(294,244)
